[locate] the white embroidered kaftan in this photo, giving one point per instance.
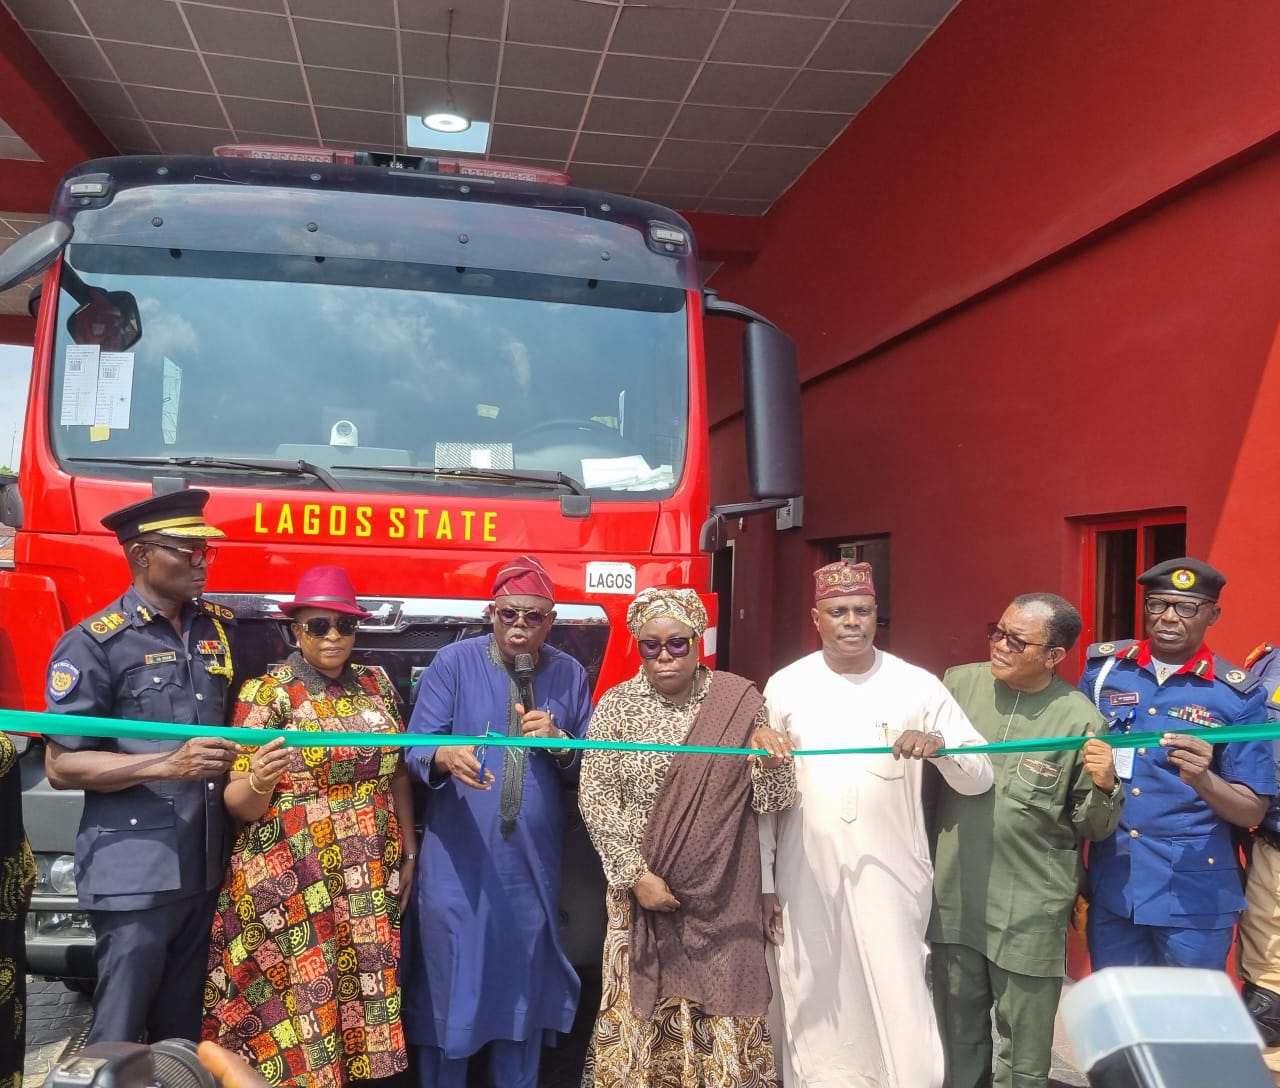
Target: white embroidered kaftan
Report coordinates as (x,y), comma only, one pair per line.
(850,865)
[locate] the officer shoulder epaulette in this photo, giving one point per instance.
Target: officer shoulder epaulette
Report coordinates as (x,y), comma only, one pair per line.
(105,625)
(1257,653)
(1125,647)
(1241,681)
(216,610)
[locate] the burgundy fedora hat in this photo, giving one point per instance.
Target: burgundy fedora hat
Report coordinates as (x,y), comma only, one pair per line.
(329,588)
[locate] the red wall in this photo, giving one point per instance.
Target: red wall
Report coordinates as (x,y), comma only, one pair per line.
(1036,280)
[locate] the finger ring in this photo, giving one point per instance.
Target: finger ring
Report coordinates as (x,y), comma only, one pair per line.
(918,750)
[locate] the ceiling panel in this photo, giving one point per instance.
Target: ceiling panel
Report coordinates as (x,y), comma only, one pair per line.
(240,33)
(768,39)
(150,22)
(630,116)
(57,15)
(569,23)
(740,85)
(155,66)
(276,80)
(868,47)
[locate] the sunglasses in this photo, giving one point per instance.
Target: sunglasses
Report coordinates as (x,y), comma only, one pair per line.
(201,556)
(650,648)
(1157,606)
(319,626)
(998,634)
(532,616)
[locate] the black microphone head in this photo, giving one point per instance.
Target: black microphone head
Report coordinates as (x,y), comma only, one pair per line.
(524,665)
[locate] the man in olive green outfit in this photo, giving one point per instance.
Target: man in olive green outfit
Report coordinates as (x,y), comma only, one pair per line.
(1006,861)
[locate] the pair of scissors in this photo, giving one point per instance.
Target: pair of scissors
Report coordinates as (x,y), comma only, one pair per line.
(483,752)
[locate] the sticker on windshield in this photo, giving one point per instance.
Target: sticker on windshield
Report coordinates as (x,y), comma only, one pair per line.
(611,578)
(80,386)
(115,389)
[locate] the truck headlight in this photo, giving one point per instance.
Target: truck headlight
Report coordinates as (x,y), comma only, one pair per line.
(56,873)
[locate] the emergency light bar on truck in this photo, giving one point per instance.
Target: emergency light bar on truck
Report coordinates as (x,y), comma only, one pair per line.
(424,164)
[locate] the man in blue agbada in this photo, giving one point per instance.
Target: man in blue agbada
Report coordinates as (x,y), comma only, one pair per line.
(1165,888)
(481,960)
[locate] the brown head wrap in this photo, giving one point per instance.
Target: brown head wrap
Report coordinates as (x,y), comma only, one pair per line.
(682,605)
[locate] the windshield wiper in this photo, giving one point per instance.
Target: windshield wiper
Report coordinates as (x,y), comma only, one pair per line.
(288,467)
(576,504)
(544,477)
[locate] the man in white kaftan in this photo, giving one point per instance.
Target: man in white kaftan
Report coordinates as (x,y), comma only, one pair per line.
(847,875)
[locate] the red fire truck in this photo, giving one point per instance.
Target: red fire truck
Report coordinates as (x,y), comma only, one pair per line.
(412,367)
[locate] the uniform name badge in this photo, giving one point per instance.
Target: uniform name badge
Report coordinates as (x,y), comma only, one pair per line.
(1123,758)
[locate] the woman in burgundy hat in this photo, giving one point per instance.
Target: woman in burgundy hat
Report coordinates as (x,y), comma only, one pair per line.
(303,964)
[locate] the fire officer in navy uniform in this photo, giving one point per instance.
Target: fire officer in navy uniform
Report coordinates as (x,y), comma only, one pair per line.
(1165,888)
(153,839)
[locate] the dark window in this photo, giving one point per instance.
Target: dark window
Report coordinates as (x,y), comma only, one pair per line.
(722,587)
(1116,551)
(873,550)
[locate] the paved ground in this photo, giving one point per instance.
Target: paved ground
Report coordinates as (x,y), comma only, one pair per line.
(58,1018)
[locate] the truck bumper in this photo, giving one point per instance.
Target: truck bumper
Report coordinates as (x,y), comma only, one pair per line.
(59,939)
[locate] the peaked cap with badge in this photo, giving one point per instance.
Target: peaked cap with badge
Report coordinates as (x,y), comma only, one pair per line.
(1190,577)
(177,513)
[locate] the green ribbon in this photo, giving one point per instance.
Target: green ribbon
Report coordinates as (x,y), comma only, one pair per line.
(23,721)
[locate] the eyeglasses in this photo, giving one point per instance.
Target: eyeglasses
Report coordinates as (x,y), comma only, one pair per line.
(650,648)
(201,556)
(998,634)
(319,626)
(532,616)
(1158,606)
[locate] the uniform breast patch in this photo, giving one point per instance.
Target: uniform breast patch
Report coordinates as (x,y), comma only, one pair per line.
(1122,698)
(161,658)
(63,678)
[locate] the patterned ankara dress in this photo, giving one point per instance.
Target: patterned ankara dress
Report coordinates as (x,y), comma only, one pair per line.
(17,871)
(305,948)
(679,1046)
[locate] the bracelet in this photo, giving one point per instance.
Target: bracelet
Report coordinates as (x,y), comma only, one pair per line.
(254,786)
(408,857)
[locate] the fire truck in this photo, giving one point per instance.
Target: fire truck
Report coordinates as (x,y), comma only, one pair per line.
(411,367)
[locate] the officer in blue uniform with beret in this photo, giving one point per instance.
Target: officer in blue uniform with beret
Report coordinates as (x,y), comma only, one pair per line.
(1165,888)
(153,839)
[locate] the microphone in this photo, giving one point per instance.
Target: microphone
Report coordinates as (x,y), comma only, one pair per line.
(524,681)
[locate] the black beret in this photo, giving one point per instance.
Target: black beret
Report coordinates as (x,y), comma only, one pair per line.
(1184,575)
(176,513)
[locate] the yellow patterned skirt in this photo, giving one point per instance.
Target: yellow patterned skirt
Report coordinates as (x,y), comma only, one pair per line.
(678,1046)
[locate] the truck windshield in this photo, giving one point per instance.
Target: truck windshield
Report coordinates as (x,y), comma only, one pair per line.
(354,365)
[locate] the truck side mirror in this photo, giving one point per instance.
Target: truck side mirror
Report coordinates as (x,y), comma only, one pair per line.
(33,252)
(770,402)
